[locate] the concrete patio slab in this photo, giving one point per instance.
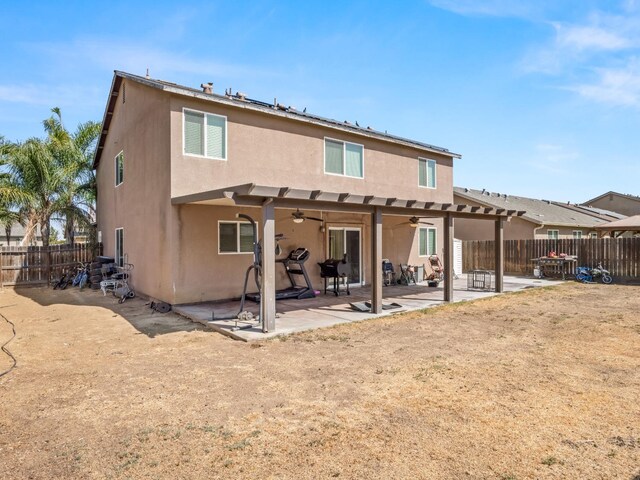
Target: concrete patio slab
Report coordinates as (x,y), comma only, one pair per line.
(328,310)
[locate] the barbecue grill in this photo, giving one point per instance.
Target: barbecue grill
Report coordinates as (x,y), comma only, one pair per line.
(336,270)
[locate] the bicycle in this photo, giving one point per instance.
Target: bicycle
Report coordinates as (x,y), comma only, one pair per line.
(82,277)
(64,281)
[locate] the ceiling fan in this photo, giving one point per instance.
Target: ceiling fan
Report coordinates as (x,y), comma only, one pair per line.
(416,222)
(299,217)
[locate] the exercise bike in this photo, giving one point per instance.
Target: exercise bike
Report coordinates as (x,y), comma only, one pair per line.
(256,267)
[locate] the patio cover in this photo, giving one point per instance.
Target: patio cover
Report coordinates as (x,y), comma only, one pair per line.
(629,224)
(269,198)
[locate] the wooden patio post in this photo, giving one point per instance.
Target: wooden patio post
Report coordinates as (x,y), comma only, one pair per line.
(499,244)
(268,290)
(376,261)
(448,258)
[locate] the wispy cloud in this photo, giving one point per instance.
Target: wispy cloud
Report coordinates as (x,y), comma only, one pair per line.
(590,37)
(47,95)
(614,86)
(493,8)
(595,55)
(551,158)
(136,57)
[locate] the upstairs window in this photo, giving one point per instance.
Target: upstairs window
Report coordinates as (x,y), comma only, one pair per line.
(427,242)
(119,168)
(205,135)
(235,237)
(426,173)
(343,158)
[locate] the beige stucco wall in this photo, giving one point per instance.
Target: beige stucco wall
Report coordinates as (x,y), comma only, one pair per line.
(616,203)
(472,229)
(563,232)
(141,204)
(174,248)
(276,151)
(204,274)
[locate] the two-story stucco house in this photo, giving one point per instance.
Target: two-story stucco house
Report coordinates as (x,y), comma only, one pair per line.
(175,165)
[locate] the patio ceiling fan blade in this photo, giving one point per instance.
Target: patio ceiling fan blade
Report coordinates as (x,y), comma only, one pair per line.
(315,218)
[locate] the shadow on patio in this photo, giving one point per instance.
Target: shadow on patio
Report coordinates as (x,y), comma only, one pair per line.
(328,310)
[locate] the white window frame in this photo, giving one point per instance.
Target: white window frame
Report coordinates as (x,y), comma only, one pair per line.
(119,255)
(435,246)
(435,176)
(557,237)
(121,154)
(344,158)
(579,234)
(237,222)
(593,235)
(204,133)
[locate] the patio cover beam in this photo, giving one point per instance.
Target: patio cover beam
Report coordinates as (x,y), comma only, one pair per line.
(448,258)
(268,288)
(499,253)
(286,197)
(376,261)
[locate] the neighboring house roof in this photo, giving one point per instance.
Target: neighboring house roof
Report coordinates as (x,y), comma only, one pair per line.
(624,195)
(600,213)
(240,101)
(541,212)
(626,224)
(18,230)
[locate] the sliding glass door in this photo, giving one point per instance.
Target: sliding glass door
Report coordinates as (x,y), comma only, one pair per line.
(347,241)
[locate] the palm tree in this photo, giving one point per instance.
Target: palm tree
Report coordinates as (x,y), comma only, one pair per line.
(37,184)
(10,196)
(73,152)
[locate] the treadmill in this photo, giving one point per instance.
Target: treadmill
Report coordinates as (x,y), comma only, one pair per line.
(294,266)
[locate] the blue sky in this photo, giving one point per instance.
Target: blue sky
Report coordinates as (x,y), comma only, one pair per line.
(540,97)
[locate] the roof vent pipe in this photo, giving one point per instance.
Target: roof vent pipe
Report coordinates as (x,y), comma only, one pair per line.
(207,87)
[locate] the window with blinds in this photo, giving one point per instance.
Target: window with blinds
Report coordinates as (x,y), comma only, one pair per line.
(235,237)
(119,168)
(205,134)
(426,173)
(343,158)
(427,242)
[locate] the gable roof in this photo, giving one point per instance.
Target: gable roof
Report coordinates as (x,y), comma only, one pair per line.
(18,230)
(623,195)
(241,101)
(541,212)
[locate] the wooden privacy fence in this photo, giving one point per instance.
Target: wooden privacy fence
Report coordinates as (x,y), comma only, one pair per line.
(621,256)
(37,265)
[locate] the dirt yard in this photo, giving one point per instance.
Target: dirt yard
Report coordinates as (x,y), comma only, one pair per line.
(536,385)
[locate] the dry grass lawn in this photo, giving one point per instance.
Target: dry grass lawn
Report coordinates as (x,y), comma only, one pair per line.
(537,385)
